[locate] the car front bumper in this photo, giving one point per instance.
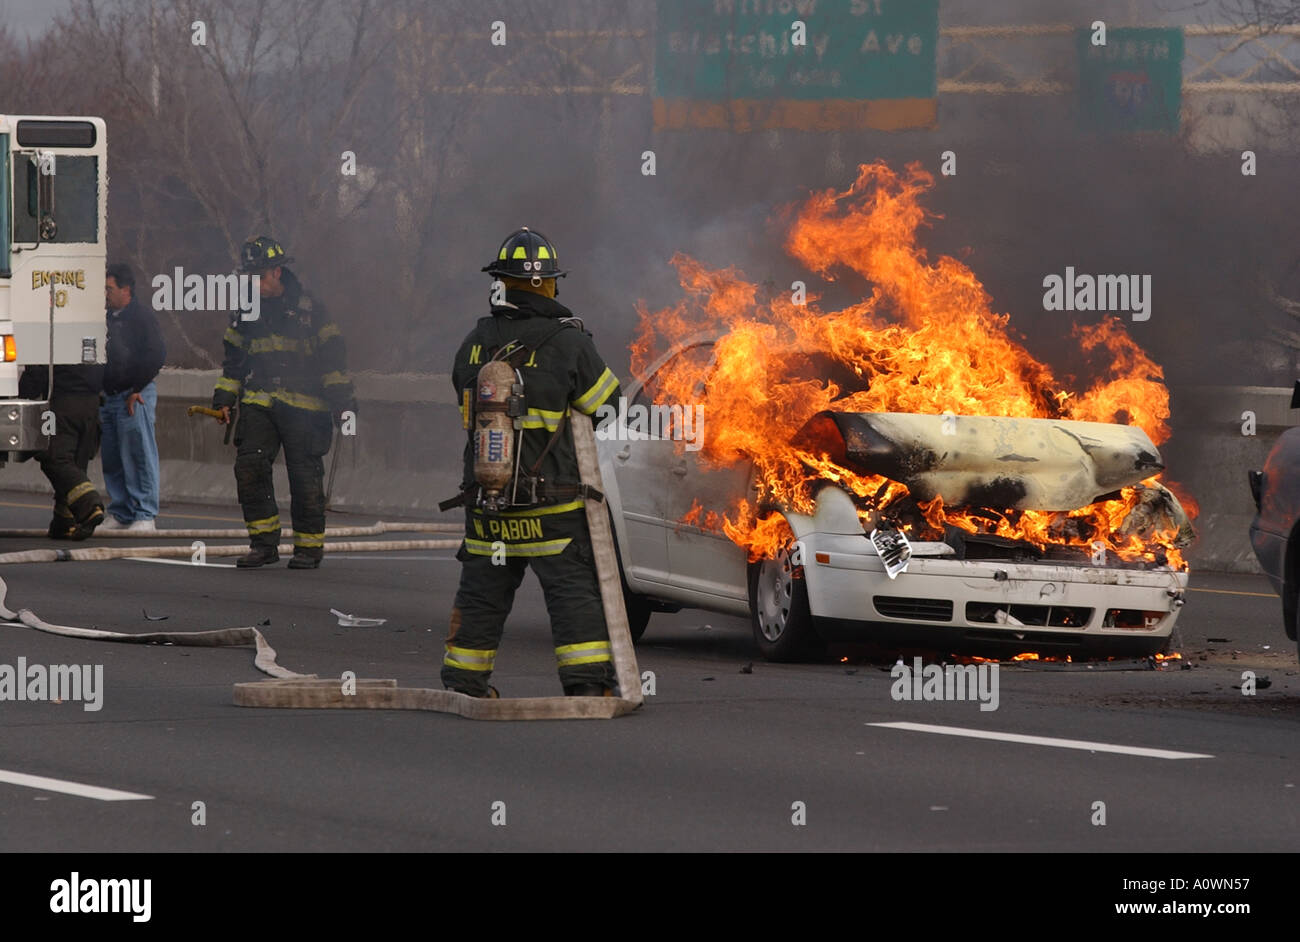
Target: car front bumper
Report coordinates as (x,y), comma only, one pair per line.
(990,605)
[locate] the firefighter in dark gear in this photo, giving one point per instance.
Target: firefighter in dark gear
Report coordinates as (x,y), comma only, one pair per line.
(78,508)
(543,523)
(286,369)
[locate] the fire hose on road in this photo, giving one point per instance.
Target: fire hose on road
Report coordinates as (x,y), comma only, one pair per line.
(219,637)
(100,553)
(307,691)
(374,530)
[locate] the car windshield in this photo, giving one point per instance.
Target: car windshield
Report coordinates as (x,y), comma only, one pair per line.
(697,365)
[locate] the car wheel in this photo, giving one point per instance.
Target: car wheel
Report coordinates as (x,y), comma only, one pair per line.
(638,612)
(1293,612)
(778,606)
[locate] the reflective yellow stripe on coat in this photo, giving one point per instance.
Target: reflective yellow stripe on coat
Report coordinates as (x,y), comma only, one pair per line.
(298,400)
(600,390)
(539,548)
(542,418)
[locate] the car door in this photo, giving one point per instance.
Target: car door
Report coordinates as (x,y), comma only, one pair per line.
(701,558)
(640,465)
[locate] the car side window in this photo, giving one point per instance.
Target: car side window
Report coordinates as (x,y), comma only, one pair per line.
(657,406)
(640,413)
(644,396)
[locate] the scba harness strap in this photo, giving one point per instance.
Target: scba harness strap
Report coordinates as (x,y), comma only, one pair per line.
(546,492)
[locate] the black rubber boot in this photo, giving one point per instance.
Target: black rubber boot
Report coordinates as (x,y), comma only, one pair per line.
(304,560)
(85,528)
(587,690)
(258,556)
(62,528)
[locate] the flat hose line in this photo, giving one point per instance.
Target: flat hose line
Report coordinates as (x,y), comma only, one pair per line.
(264,659)
(291,690)
(101,553)
(374,530)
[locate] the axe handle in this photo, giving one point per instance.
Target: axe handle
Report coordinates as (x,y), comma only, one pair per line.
(216,414)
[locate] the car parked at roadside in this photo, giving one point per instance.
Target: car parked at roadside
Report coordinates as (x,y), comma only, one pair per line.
(1275,531)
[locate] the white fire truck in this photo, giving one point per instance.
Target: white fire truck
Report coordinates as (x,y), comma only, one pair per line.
(53,201)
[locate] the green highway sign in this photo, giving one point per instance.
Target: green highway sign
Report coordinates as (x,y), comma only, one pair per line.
(796,63)
(1133,82)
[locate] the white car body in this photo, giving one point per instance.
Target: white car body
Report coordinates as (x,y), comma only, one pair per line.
(987,605)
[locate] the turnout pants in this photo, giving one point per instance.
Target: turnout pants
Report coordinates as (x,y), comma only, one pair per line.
(73,444)
(498,548)
(305,435)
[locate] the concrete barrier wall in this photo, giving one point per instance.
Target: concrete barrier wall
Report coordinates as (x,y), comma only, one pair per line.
(407,451)
(404,458)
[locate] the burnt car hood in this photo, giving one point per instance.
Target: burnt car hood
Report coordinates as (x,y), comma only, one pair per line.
(987,461)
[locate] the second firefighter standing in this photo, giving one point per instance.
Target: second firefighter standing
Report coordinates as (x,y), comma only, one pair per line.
(286,370)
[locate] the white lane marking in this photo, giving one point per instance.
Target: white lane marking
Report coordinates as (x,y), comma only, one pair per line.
(68,788)
(179,562)
(1045,741)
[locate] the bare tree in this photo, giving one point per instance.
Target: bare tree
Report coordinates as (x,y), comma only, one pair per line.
(230,118)
(1262,15)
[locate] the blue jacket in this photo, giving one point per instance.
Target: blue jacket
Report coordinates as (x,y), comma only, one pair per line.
(135,349)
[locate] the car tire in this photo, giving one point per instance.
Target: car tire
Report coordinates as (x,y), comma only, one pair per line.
(1293,612)
(779,612)
(638,612)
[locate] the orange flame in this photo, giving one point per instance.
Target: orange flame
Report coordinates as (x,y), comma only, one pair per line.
(925,340)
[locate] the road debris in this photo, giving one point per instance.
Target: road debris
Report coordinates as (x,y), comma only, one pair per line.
(352,621)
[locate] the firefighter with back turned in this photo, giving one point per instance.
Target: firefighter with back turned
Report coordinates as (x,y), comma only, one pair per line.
(522,374)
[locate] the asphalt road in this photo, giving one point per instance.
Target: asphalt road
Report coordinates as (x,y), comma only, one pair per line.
(730,753)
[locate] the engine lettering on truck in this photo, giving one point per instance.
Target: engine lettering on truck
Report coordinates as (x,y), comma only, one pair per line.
(75,279)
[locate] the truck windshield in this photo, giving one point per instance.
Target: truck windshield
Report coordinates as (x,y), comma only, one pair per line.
(60,206)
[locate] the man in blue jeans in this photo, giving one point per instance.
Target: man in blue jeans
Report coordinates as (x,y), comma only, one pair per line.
(135,353)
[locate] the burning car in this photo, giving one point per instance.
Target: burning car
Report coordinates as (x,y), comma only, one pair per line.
(824,579)
(901,470)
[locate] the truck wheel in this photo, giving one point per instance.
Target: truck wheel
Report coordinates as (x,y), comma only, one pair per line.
(778,607)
